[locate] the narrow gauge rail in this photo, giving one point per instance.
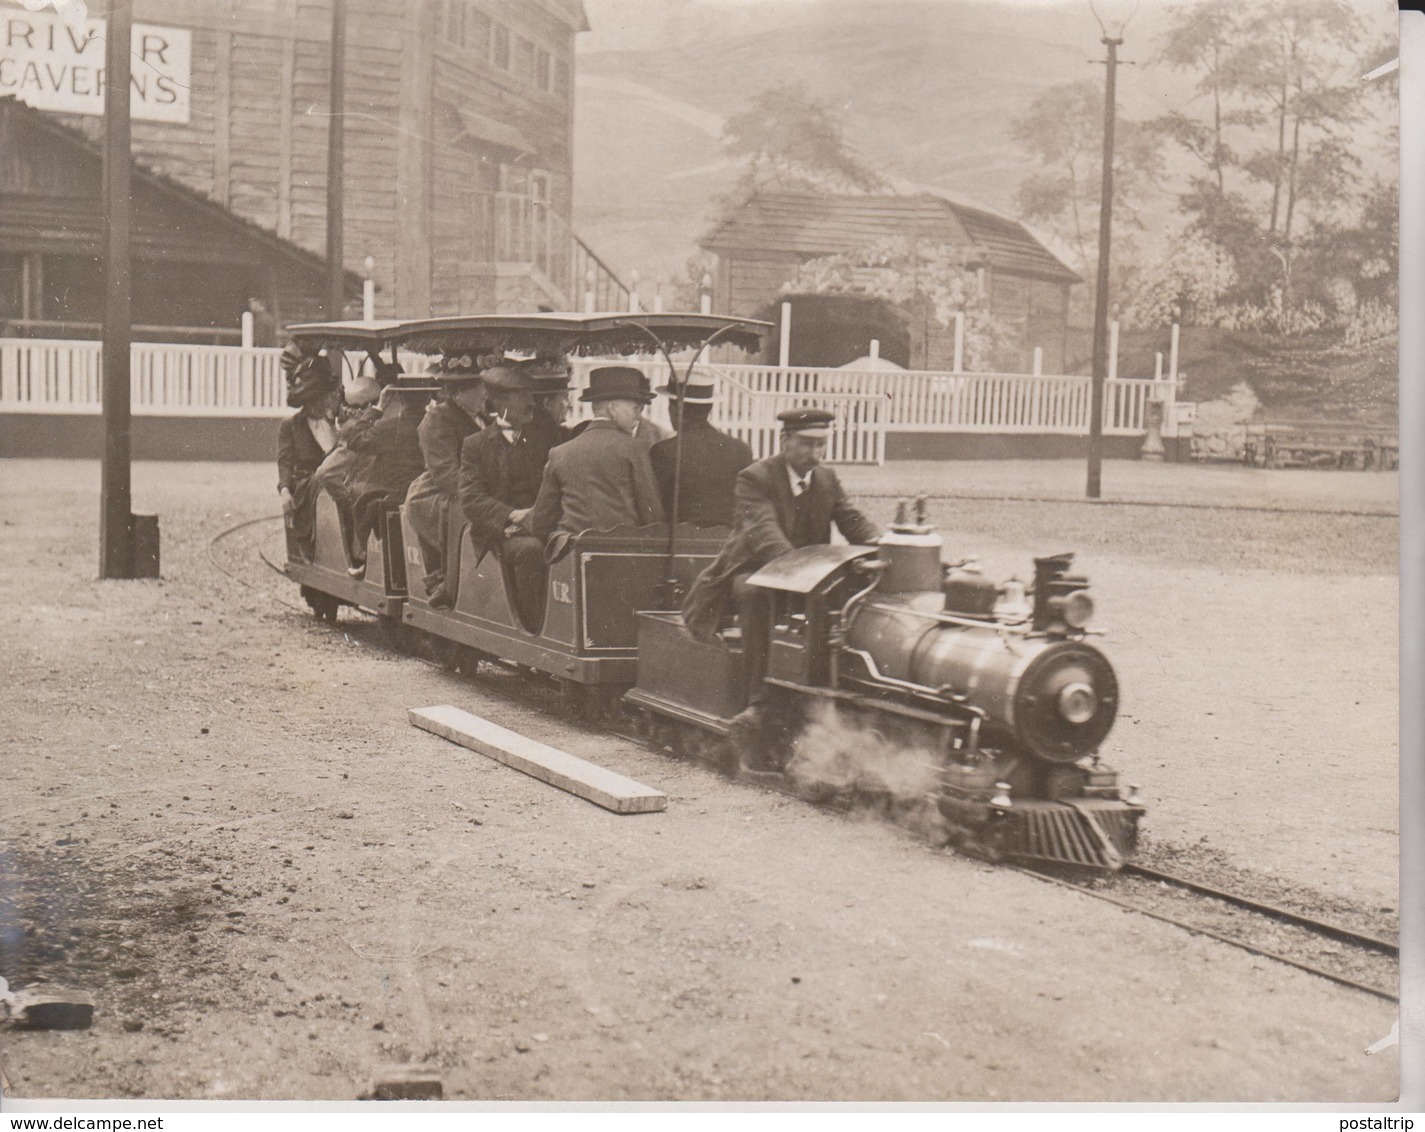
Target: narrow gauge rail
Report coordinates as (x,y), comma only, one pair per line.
(1268,911)
(1286,915)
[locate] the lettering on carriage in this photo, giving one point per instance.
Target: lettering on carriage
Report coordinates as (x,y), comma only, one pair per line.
(51,65)
(559,591)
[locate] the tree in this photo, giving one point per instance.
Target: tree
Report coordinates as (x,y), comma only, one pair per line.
(1187,285)
(791,139)
(1063,131)
(1288,71)
(1200,40)
(1274,147)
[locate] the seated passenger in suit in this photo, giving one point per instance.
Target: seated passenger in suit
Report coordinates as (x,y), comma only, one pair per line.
(392,444)
(500,471)
(602,478)
(786,501)
(455,415)
(709,461)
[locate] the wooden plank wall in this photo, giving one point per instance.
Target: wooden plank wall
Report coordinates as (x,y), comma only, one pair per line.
(257,137)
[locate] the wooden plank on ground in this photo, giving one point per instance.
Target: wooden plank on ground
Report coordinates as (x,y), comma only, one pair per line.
(558,768)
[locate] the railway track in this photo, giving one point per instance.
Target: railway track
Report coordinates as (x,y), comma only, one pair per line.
(1359,959)
(1362,961)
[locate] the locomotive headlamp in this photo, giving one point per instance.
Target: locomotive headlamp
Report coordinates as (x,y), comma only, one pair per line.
(1001,797)
(1075,609)
(1077,702)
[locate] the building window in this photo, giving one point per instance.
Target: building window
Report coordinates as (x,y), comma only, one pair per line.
(524,59)
(477,33)
(455,22)
(500,47)
(542,76)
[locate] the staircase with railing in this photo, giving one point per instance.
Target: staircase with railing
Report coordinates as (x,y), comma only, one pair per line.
(523,230)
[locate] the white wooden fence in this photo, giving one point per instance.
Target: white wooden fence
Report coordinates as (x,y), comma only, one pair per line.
(59,376)
(921,401)
(62,377)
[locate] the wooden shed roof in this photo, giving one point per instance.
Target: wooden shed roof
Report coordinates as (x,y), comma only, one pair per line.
(815,225)
(168,218)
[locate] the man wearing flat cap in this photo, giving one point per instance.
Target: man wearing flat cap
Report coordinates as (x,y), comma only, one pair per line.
(500,471)
(709,460)
(786,501)
(455,415)
(602,478)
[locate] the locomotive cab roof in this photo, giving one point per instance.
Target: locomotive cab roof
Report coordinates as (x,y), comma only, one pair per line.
(607,333)
(802,570)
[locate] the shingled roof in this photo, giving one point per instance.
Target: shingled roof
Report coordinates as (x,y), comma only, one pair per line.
(201,213)
(814,225)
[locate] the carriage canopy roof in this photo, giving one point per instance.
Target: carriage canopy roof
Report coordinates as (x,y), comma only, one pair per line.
(588,334)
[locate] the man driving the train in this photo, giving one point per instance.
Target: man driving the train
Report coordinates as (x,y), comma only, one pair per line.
(786,501)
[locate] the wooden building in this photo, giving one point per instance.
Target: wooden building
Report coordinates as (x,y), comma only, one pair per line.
(761,243)
(458,137)
(196,265)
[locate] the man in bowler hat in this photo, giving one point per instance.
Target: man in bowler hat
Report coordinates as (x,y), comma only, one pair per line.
(709,460)
(602,478)
(786,501)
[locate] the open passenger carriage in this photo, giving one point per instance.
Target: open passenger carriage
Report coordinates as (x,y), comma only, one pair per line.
(587,630)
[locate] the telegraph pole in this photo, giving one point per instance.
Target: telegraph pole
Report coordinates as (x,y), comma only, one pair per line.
(336,128)
(1100,318)
(116,557)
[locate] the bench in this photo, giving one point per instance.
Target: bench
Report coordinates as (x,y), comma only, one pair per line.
(1285,443)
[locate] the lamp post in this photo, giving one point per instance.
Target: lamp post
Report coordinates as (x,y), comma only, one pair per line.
(1111,24)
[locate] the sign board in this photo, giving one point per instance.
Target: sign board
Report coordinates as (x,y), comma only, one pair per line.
(1185,411)
(53,65)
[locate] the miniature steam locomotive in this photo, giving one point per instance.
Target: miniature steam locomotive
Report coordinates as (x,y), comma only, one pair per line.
(997,705)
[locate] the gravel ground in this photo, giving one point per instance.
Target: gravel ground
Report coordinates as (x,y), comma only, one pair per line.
(216,819)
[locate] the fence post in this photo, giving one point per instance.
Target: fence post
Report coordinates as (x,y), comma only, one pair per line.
(1158,366)
(1038,361)
(658,296)
(959,341)
(784,346)
(368,289)
(1113,349)
(875,348)
(1173,354)
(247,330)
(705,295)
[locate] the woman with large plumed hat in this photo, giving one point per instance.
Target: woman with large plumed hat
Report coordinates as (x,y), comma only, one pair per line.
(303,442)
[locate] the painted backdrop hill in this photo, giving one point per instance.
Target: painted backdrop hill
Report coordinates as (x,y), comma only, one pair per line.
(928,87)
